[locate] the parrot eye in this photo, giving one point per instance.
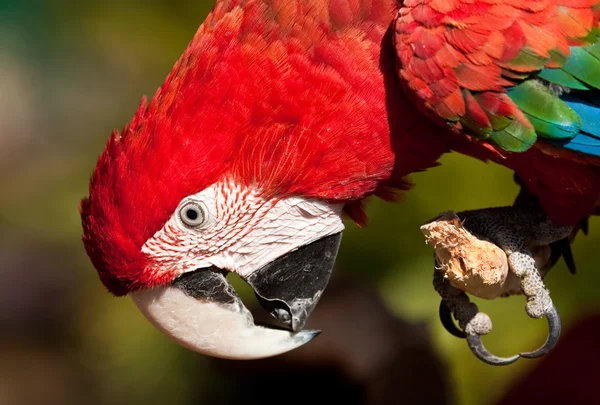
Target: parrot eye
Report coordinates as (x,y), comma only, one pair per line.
(192,214)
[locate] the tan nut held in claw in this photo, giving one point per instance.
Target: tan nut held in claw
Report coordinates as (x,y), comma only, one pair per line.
(473,265)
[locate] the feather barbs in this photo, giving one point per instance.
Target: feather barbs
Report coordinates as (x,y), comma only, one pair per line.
(484,46)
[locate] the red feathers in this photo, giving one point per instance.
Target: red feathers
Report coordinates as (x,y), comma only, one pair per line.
(288,98)
(478,45)
(455,58)
(302,97)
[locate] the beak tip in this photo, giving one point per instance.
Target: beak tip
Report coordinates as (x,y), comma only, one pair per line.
(314,333)
(306,336)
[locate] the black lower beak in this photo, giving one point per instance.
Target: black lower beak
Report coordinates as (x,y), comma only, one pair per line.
(290,286)
(208,284)
(202,311)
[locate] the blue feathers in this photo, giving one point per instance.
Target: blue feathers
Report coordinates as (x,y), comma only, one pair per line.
(588,109)
(581,74)
(587,106)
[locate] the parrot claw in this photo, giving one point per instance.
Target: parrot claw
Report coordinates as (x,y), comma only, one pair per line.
(554,326)
(514,231)
(446,319)
(554,329)
(479,350)
(473,339)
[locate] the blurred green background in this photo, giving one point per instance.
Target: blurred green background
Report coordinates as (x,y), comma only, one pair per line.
(70,72)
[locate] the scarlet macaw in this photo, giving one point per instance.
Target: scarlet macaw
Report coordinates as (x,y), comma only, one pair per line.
(283,115)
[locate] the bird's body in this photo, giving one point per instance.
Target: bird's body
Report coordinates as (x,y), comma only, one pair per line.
(282,114)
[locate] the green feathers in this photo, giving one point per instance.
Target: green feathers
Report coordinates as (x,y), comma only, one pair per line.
(531,111)
(515,137)
(550,116)
(562,78)
(493,116)
(584,65)
(535,109)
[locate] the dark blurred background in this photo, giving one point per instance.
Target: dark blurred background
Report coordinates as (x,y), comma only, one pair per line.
(70,72)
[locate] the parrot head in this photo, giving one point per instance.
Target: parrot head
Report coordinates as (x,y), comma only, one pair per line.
(243,161)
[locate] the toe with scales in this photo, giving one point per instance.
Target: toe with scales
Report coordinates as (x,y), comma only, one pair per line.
(514,230)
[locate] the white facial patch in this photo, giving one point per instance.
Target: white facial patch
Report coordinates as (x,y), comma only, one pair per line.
(238,230)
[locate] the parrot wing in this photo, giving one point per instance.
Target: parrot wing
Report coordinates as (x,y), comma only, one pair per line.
(512,72)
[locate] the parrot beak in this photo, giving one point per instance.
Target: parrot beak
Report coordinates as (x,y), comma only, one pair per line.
(290,286)
(201,311)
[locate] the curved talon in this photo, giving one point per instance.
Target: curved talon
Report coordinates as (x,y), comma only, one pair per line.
(554,327)
(448,322)
(479,350)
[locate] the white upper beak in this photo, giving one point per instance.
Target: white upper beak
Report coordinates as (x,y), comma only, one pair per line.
(215,329)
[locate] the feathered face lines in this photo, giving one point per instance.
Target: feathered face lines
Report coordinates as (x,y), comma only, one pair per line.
(224,214)
(233,228)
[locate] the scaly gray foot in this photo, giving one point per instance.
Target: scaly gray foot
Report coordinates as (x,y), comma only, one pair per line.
(514,230)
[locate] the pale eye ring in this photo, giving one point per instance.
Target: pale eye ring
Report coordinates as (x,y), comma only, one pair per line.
(193,214)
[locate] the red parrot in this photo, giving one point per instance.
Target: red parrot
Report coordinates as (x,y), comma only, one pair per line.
(281,116)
